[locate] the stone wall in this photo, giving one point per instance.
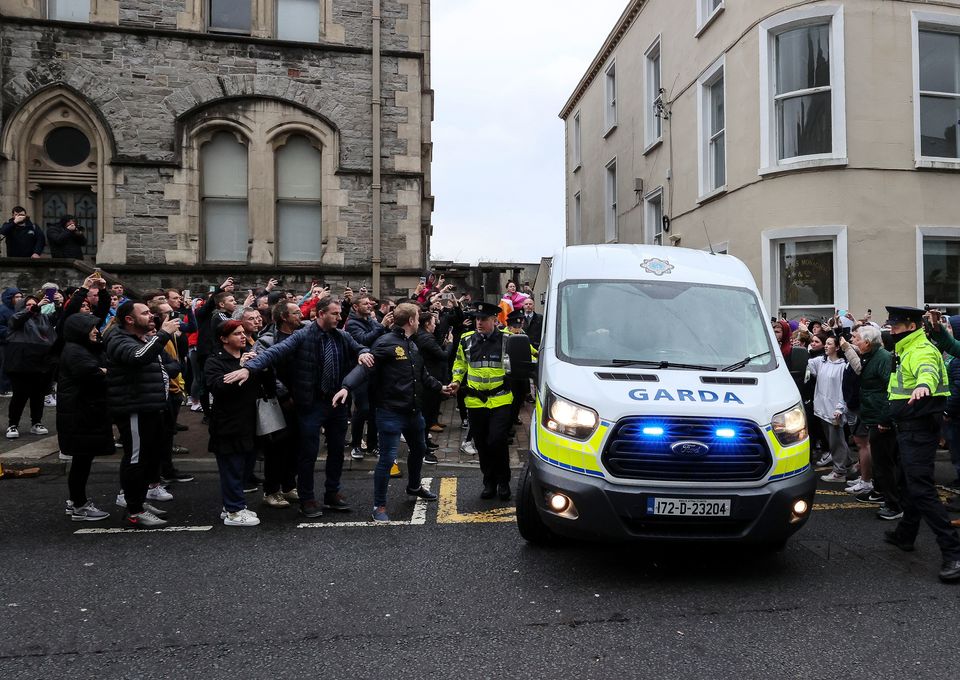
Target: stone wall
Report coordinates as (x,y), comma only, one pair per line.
(147,83)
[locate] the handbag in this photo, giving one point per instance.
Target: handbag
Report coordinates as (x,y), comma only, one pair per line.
(269,416)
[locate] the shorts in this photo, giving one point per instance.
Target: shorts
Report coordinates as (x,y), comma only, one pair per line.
(857,427)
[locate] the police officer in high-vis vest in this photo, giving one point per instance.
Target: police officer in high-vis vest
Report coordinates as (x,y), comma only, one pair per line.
(917,392)
(479,371)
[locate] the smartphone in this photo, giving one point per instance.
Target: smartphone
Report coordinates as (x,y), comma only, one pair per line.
(423,279)
(96,274)
(49,293)
(212,288)
(841,312)
(186,293)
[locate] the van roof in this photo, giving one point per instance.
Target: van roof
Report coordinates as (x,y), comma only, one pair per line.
(632,261)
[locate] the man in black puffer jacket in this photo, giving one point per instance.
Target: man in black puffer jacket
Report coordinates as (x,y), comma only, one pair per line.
(137,398)
(362,324)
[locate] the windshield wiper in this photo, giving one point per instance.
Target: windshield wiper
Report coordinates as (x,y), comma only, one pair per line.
(743,362)
(660,364)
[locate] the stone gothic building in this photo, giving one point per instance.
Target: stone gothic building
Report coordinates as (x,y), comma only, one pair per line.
(196,137)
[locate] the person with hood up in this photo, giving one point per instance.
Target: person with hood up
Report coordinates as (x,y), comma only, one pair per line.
(23,237)
(67,238)
(28,363)
(8,304)
(84,428)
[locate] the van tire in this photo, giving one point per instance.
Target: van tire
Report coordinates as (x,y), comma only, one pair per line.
(529,522)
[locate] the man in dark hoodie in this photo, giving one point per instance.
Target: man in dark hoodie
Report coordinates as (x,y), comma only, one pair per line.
(24,238)
(66,238)
(8,305)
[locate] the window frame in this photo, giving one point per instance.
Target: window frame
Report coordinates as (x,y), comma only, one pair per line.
(47,12)
(705,83)
(276,147)
(577,222)
(651,120)
(610,98)
(276,24)
(706,16)
(210,28)
(769,29)
(651,230)
(770,241)
(943,23)
(204,137)
(611,232)
(577,138)
(941,234)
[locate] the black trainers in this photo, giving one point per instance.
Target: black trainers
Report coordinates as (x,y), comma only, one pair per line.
(432,445)
(335,502)
(503,490)
(893,538)
(420,492)
(871,496)
(888,513)
(430,459)
(176,476)
(489,490)
(950,571)
(311,509)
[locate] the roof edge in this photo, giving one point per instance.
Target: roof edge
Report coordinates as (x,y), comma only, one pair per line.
(613,39)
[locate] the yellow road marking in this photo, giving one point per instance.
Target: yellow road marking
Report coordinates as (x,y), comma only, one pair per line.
(447,508)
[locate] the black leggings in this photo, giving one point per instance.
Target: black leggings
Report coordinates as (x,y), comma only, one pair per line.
(30,387)
(77,479)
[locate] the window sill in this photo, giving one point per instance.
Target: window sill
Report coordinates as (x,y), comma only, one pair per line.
(706,24)
(795,166)
(653,145)
(610,131)
(937,164)
(710,195)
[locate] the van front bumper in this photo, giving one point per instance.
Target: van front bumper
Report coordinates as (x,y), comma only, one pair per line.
(618,512)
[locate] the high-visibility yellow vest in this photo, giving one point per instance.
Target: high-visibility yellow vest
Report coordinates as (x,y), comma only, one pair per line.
(918,363)
(479,370)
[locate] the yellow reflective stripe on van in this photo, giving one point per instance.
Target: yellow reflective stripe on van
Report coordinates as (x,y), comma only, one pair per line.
(569,453)
(788,460)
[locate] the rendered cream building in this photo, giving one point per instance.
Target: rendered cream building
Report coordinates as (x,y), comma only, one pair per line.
(816,141)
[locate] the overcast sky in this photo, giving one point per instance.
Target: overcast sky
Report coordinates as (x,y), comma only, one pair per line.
(502,70)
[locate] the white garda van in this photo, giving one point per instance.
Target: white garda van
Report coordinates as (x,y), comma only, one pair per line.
(665,410)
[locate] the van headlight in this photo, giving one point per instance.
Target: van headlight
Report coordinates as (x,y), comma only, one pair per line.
(569,419)
(790,426)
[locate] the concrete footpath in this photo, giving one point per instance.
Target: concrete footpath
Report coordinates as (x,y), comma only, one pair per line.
(42,451)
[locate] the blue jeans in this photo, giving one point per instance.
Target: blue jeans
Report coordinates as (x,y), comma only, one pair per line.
(391,424)
(953,439)
(334,422)
(232,469)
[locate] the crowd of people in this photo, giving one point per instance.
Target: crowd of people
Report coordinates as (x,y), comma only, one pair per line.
(271,371)
(887,391)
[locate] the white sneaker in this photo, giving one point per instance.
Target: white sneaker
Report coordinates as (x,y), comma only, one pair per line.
(69,507)
(834,477)
(196,407)
(242,518)
(852,483)
(89,512)
(146,519)
(62,456)
(159,493)
(469,448)
(859,487)
(13,432)
(825,459)
(37,428)
(122,502)
(50,400)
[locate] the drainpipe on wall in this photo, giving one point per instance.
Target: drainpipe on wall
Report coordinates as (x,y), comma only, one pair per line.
(376,161)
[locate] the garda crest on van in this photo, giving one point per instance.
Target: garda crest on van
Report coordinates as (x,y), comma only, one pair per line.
(654,265)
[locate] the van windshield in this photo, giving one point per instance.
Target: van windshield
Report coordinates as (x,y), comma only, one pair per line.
(607,323)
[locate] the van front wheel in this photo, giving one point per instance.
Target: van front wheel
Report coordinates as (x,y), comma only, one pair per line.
(529,523)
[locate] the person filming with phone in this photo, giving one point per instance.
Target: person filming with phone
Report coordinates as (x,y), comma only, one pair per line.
(23,237)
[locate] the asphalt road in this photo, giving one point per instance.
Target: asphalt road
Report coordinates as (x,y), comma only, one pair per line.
(454,596)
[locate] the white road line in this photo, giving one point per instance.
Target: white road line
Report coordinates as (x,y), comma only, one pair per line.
(419,516)
(117,530)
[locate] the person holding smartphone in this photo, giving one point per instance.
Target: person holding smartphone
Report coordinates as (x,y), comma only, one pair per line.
(23,237)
